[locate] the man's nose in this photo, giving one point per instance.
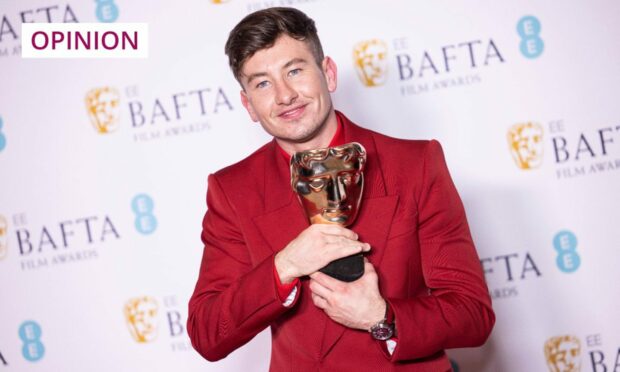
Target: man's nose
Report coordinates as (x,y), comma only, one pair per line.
(285,94)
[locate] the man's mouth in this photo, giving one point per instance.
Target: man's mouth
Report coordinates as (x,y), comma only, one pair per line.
(293,113)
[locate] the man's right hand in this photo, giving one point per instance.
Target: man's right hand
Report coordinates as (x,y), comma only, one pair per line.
(314,248)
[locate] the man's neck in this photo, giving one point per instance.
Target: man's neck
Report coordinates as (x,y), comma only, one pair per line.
(321,140)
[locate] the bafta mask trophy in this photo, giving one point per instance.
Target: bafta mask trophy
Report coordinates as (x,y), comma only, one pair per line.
(329,183)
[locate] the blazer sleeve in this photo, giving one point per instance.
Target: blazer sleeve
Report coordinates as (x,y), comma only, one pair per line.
(457,310)
(233,300)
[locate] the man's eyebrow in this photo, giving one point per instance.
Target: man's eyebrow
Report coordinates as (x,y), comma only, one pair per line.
(294,61)
(254,76)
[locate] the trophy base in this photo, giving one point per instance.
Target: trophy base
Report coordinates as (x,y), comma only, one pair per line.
(346,269)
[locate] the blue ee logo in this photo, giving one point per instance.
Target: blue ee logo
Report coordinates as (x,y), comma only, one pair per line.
(565,243)
(2,137)
(106,11)
(142,206)
(30,333)
(531,45)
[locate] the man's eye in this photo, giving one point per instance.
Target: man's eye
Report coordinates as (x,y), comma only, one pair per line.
(317,185)
(294,72)
(262,84)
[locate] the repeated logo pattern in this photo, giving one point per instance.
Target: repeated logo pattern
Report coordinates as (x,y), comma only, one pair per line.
(370,61)
(2,137)
(4,240)
(30,334)
(142,206)
(103,107)
(106,11)
(531,45)
(563,354)
(141,318)
(565,243)
(526,145)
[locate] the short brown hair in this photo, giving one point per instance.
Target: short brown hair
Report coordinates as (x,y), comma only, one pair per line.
(261,29)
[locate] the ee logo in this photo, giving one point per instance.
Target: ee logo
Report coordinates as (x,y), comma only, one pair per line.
(106,11)
(2,137)
(565,243)
(142,206)
(30,333)
(531,45)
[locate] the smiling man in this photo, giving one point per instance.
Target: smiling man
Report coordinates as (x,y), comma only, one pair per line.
(422,290)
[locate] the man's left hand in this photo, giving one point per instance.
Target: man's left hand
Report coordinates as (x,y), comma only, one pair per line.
(356,304)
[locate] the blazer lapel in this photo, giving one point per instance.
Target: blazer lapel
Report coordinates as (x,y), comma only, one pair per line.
(284,217)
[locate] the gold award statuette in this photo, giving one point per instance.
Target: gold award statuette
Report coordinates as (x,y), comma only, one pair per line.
(329,183)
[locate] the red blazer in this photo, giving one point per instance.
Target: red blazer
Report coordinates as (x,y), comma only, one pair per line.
(412,216)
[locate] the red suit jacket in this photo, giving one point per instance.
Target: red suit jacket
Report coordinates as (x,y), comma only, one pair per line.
(412,216)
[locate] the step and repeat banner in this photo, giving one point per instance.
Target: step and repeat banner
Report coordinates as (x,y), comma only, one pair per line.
(104,162)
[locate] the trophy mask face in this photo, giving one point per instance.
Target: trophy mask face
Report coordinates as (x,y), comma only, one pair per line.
(330,182)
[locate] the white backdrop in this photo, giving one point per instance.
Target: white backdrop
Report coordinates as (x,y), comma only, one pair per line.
(90,221)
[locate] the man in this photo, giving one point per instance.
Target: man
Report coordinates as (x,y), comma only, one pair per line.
(422,279)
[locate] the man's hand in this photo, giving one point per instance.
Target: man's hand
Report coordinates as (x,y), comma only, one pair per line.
(356,304)
(314,248)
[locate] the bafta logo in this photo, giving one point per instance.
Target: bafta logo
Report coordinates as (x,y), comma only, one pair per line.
(103,106)
(370,61)
(4,226)
(219,1)
(563,354)
(141,317)
(526,145)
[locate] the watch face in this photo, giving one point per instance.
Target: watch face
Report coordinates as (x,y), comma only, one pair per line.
(382,332)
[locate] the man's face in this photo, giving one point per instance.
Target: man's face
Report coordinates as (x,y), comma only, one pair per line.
(287,92)
(330,189)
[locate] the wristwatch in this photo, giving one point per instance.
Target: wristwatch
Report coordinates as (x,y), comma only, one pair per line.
(384,330)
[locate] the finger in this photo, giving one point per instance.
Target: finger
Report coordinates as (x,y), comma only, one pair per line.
(319,301)
(319,289)
(344,248)
(327,281)
(339,231)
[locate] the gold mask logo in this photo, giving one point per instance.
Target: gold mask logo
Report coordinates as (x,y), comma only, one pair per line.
(4,228)
(563,354)
(103,107)
(219,1)
(141,317)
(526,145)
(370,61)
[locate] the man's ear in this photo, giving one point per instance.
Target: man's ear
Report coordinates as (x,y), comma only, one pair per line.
(245,101)
(331,73)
